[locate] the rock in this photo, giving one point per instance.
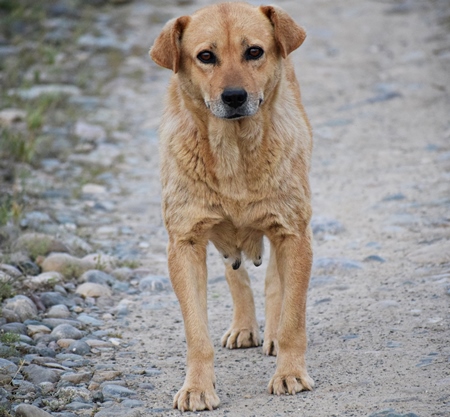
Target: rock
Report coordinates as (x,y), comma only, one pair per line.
(154,283)
(93,189)
(10,116)
(36,244)
(10,316)
(10,271)
(79,347)
(7,367)
(323,225)
(90,289)
(98,277)
(25,410)
(66,331)
(28,268)
(77,405)
(67,265)
(89,132)
(58,311)
(70,393)
(77,378)
(53,298)
(116,392)
(331,264)
(120,412)
(437,253)
(64,343)
(37,328)
(22,306)
(35,220)
(48,89)
(38,374)
(98,344)
(104,262)
(45,279)
(374,258)
(123,274)
(52,323)
(91,321)
(16,328)
(102,376)
(132,403)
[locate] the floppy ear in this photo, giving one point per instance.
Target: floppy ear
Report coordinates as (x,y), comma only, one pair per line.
(288,35)
(167,47)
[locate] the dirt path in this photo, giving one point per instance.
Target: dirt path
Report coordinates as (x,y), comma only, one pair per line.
(374,79)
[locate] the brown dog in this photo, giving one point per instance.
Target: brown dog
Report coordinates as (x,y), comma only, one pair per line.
(235,155)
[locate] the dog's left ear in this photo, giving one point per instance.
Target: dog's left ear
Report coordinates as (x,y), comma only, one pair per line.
(166,50)
(288,35)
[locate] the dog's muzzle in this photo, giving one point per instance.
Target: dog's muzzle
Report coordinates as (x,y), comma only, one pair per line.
(234,103)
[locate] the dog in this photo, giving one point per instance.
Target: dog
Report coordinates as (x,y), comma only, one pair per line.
(235,148)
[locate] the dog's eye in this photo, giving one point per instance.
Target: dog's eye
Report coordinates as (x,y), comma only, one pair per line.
(255,52)
(207,57)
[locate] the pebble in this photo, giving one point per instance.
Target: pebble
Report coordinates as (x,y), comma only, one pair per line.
(77,378)
(89,132)
(38,374)
(52,323)
(91,321)
(26,410)
(116,391)
(66,331)
(101,261)
(50,299)
(331,264)
(22,306)
(154,283)
(58,311)
(72,393)
(374,258)
(79,347)
(133,403)
(37,328)
(7,367)
(49,89)
(44,280)
(102,376)
(17,328)
(10,316)
(10,116)
(27,267)
(97,277)
(324,225)
(10,270)
(119,412)
(69,266)
(38,243)
(91,289)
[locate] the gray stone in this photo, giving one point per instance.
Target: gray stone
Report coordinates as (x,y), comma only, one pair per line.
(10,316)
(25,410)
(7,367)
(52,298)
(79,347)
(38,374)
(98,277)
(91,321)
(22,306)
(331,264)
(47,89)
(133,403)
(52,323)
(116,391)
(321,281)
(77,378)
(90,289)
(58,311)
(322,225)
(374,258)
(17,328)
(77,405)
(120,412)
(154,283)
(10,270)
(28,268)
(67,331)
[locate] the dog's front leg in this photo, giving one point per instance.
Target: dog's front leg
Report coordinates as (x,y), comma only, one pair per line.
(187,268)
(294,259)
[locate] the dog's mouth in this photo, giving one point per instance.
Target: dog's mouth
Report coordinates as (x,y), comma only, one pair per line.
(224,111)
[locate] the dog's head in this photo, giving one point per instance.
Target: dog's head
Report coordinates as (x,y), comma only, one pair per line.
(228,56)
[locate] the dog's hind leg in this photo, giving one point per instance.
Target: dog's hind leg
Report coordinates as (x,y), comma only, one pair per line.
(244,331)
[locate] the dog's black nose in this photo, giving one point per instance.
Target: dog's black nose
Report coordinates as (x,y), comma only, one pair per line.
(234,97)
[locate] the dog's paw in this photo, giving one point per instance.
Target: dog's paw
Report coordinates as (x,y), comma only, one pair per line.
(196,399)
(290,384)
(270,346)
(236,338)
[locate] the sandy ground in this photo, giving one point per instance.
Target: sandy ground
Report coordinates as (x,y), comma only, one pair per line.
(375,78)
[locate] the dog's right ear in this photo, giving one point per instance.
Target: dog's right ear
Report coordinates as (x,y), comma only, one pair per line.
(166,50)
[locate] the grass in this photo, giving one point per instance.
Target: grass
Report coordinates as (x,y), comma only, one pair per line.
(7,342)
